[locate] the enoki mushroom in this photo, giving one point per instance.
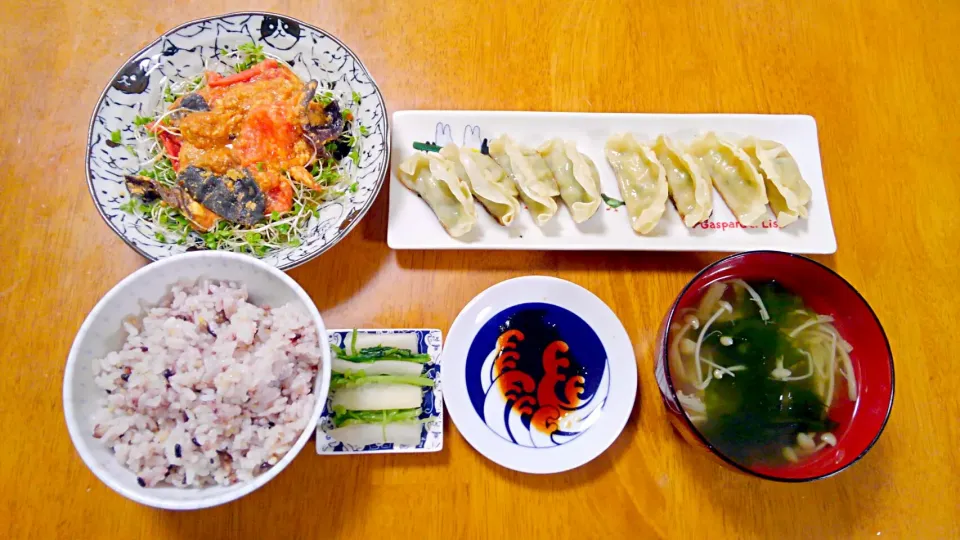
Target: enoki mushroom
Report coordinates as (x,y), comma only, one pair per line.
(701,384)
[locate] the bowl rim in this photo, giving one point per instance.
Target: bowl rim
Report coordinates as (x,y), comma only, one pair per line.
(244,488)
(350,222)
(664,342)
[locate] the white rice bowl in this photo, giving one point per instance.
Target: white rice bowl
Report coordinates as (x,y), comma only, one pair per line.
(180,392)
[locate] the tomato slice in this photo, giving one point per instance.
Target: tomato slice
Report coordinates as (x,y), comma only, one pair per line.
(245,75)
(172,146)
(266,135)
(279,199)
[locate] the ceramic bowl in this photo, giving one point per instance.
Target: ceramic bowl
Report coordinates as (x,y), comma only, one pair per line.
(102,332)
(181,53)
(860,422)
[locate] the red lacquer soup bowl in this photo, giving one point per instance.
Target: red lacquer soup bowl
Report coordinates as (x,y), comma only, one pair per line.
(861,421)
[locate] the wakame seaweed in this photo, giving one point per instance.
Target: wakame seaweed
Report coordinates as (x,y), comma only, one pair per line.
(751,416)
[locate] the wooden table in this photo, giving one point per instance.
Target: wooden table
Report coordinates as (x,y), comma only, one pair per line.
(881,78)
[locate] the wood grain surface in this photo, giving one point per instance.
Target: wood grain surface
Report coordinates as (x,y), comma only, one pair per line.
(879,76)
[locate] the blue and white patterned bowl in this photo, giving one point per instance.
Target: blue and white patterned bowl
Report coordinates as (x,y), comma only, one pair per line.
(181,53)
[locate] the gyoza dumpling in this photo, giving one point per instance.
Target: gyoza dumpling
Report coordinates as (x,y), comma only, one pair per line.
(577,177)
(487,180)
(789,194)
(531,175)
(643,182)
(689,188)
(735,177)
(433,178)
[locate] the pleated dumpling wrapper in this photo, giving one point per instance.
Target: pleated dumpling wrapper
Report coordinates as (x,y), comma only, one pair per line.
(576,175)
(788,192)
(530,173)
(642,180)
(433,178)
(488,181)
(689,187)
(734,176)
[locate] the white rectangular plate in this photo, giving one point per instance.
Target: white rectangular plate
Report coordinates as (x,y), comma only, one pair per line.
(431,439)
(412,225)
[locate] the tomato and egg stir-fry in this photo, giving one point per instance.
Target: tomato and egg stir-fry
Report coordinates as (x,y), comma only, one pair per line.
(241,147)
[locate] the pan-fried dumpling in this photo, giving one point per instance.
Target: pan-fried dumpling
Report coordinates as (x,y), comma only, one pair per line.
(531,175)
(433,178)
(689,188)
(487,180)
(577,177)
(789,194)
(735,177)
(643,182)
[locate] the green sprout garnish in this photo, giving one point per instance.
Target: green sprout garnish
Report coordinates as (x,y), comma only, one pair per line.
(324,98)
(252,55)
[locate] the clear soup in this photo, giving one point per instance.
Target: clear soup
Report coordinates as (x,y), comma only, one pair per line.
(758,372)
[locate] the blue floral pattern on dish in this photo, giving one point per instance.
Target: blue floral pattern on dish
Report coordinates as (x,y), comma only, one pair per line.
(184,52)
(431,437)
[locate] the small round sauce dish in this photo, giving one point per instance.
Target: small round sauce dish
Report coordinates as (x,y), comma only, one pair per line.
(542,376)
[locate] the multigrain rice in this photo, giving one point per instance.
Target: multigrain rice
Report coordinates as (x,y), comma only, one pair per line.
(208,388)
